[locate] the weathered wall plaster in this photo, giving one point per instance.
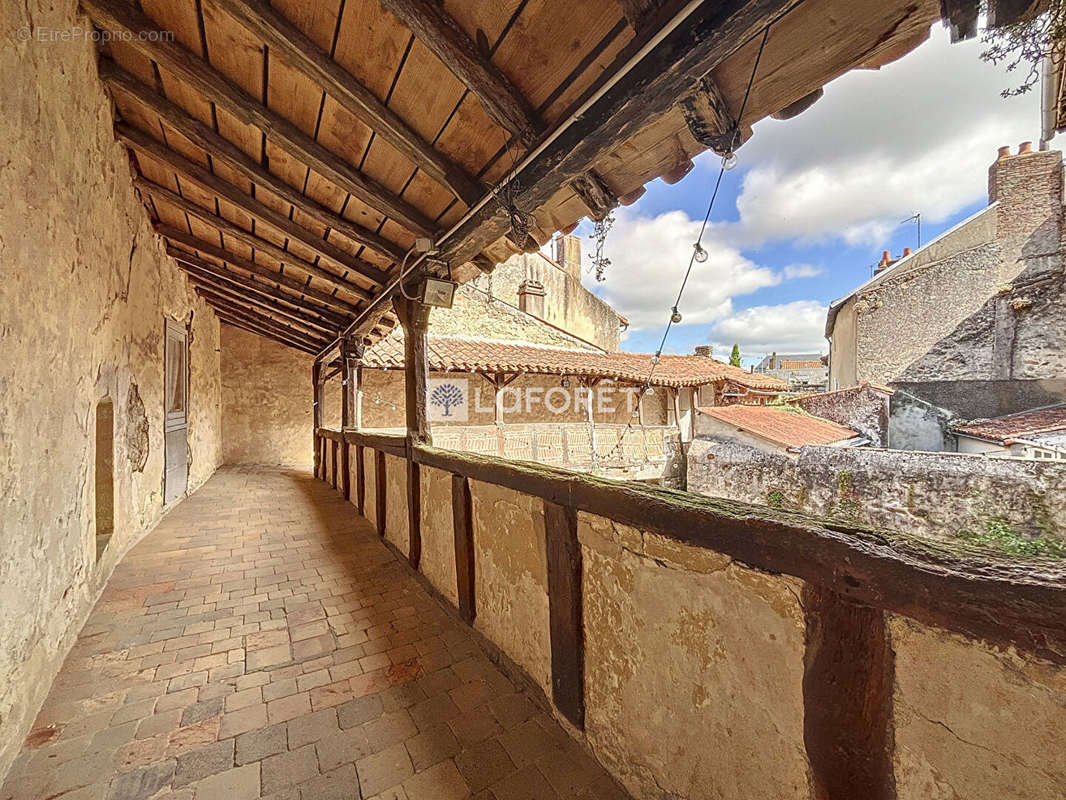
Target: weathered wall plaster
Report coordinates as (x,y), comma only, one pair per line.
(266,401)
(930,494)
(86,288)
(397,528)
(438,537)
(693,669)
(370,500)
(972,722)
(511,581)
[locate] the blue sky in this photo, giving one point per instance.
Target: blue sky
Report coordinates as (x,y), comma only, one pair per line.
(813,202)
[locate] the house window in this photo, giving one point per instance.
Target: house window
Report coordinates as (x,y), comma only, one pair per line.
(105,474)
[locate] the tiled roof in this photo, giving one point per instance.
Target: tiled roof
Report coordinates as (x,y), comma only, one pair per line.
(852,389)
(780,425)
(452,354)
(1017,426)
(801,365)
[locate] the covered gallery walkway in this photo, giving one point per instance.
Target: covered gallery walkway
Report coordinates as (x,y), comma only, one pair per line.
(263,641)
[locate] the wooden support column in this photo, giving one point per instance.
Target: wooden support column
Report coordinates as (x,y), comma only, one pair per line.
(360,480)
(351,355)
(414,318)
(333,447)
(379,490)
(463,529)
(565,611)
(316,382)
(848,675)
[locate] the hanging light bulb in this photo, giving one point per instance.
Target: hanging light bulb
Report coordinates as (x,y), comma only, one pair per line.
(729,160)
(676,316)
(655,359)
(701,254)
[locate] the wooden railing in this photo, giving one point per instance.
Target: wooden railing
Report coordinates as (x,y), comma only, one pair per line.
(854,604)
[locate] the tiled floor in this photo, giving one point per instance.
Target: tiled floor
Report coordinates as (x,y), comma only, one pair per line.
(263,642)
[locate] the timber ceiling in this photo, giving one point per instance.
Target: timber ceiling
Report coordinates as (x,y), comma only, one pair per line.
(290,153)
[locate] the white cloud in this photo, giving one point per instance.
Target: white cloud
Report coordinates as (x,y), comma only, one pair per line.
(796,327)
(917,135)
(648,261)
(793,271)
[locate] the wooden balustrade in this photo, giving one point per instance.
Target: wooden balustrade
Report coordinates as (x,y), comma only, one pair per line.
(855,581)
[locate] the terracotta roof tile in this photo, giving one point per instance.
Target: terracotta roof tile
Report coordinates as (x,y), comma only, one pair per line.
(780,425)
(468,355)
(1017,426)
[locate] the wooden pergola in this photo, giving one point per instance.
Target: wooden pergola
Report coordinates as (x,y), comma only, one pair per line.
(293,153)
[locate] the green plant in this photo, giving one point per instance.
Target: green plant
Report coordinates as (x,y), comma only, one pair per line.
(775,499)
(999,535)
(734,357)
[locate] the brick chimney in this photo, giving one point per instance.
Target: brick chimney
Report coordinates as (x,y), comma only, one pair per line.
(568,254)
(705,350)
(885,262)
(1028,188)
(531,297)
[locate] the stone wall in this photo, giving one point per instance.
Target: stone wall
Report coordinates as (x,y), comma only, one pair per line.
(864,409)
(266,401)
(86,287)
(928,494)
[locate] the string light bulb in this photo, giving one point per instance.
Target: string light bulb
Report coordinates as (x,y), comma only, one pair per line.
(729,161)
(676,316)
(701,254)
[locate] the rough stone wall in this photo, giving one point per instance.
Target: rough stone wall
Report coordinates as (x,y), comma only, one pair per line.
(864,409)
(972,721)
(511,577)
(929,494)
(85,290)
(266,401)
(693,668)
(567,303)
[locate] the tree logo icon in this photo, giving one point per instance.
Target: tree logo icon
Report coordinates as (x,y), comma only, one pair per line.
(447,398)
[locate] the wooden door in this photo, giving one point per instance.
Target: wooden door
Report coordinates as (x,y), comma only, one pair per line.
(175,410)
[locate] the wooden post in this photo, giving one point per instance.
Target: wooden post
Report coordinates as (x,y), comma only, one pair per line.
(565,611)
(379,490)
(414,317)
(316,415)
(463,530)
(360,479)
(351,355)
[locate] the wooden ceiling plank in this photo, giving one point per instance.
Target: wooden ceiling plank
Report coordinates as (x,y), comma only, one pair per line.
(233,323)
(177,236)
(212,184)
(233,157)
(119,17)
(257,318)
(207,270)
(450,43)
(253,301)
(299,51)
(252,240)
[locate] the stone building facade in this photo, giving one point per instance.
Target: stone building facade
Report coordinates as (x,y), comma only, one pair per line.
(973,321)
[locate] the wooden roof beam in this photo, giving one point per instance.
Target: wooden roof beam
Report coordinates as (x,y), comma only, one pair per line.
(595,194)
(142,33)
(259,319)
(233,157)
(212,184)
(710,120)
(229,229)
(200,267)
(300,52)
(246,296)
(226,319)
(185,239)
(443,36)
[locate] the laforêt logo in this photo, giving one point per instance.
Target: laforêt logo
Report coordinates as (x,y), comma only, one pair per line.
(448,399)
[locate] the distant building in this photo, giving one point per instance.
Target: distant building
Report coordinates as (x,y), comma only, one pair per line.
(778,429)
(974,321)
(803,372)
(1039,434)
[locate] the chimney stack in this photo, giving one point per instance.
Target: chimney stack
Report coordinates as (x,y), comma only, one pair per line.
(568,254)
(1028,188)
(531,297)
(705,350)
(906,252)
(885,262)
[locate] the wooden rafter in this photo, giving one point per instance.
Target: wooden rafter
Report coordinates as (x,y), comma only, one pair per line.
(227,228)
(225,319)
(212,184)
(226,152)
(449,42)
(142,33)
(241,320)
(242,295)
(595,194)
(199,266)
(300,52)
(256,318)
(207,248)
